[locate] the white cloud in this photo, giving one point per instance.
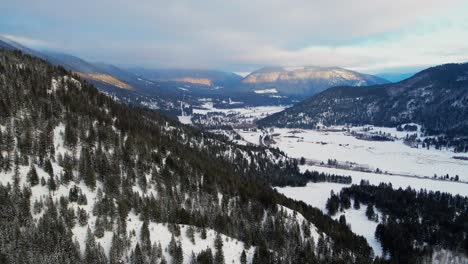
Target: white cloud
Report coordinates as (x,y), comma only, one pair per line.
(241,34)
(29,42)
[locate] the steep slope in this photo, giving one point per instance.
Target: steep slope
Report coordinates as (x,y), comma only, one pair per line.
(71,62)
(436,98)
(191,76)
(84,179)
(13,45)
(305,81)
(5,45)
(85,69)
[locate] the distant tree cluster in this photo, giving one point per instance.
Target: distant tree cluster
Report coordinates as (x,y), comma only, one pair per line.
(316,176)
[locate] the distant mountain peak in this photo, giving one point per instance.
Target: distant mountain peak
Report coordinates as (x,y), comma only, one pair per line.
(306,80)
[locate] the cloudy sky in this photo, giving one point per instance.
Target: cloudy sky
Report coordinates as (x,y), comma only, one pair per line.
(241,35)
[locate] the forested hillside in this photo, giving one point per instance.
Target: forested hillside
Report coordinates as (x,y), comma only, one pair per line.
(436,98)
(84,179)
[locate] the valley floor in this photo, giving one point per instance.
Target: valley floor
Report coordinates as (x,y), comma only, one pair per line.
(400,165)
(392,157)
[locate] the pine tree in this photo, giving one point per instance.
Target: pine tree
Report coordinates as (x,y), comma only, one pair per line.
(203,233)
(193,259)
(67,175)
(99,228)
(82,217)
(48,168)
(117,250)
(154,254)
(205,257)
(91,252)
(52,184)
(9,140)
(70,137)
(342,220)
(86,169)
(333,204)
(145,236)
(175,249)
(7,162)
(138,255)
(219,255)
(179,255)
(33,178)
(243,258)
(172,246)
(370,211)
(102,259)
(356,204)
(190,233)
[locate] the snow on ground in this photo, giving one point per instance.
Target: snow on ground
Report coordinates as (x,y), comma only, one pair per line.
(316,194)
(294,215)
(443,256)
(266,91)
(160,233)
(391,156)
(361,225)
(185,119)
(396,181)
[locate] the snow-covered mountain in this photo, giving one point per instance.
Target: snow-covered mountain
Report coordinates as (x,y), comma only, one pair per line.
(306,81)
(85,179)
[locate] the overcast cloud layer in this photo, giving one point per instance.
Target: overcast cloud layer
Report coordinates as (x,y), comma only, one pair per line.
(241,35)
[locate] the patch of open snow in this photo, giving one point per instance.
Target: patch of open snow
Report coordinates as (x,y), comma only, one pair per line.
(266,91)
(316,194)
(160,233)
(185,119)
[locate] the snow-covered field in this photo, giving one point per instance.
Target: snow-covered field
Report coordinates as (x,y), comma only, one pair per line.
(316,194)
(397,181)
(390,156)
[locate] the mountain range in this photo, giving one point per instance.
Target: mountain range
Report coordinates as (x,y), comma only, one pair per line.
(305,81)
(166,89)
